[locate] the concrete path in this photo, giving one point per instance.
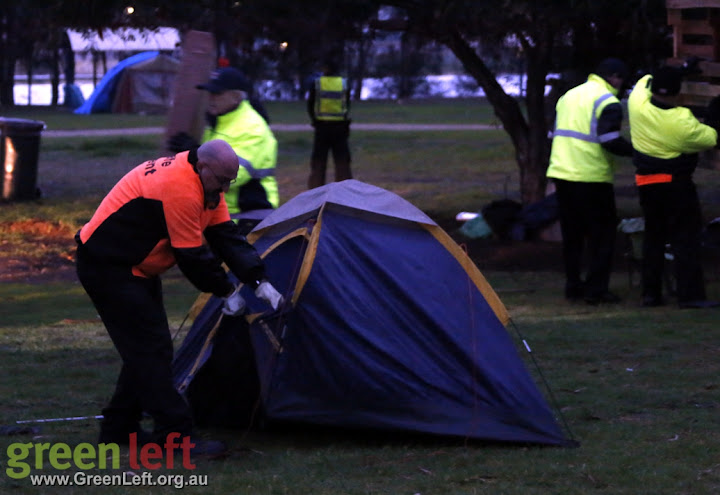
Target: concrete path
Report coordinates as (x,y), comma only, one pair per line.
(136,131)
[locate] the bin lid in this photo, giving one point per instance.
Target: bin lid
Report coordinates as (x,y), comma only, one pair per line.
(21,124)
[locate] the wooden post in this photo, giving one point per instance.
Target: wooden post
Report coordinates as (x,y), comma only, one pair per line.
(696,33)
(188,108)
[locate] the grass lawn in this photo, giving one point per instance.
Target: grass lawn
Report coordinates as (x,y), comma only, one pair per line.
(637,387)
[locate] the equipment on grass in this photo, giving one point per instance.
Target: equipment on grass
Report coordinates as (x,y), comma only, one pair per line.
(387,325)
(57,420)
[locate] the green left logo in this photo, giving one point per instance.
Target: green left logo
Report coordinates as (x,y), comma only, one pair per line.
(24,457)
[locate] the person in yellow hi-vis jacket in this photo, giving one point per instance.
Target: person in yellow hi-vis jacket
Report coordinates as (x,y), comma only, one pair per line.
(586,135)
(232,118)
(667,138)
(328,105)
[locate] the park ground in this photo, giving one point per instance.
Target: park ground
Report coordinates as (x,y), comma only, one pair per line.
(637,387)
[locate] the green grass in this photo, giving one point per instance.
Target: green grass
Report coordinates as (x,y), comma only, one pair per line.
(436,111)
(62,118)
(638,387)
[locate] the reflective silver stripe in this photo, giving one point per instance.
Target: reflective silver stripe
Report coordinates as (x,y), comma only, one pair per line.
(575,134)
(255,173)
(609,136)
(594,120)
(592,137)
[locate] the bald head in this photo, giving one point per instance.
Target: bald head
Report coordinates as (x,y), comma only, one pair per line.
(219,157)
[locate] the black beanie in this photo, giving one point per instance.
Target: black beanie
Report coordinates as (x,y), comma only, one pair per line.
(612,67)
(667,81)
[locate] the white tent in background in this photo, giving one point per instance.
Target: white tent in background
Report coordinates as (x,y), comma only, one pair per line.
(124,40)
(96,52)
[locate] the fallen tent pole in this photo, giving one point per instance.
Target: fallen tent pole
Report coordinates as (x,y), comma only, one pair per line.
(56,420)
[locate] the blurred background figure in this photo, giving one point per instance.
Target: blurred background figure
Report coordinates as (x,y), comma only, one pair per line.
(328,106)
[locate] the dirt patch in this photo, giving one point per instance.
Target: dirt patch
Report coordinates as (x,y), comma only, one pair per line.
(521,256)
(36,251)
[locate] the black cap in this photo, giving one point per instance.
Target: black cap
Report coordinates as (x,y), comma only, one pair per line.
(667,81)
(612,67)
(226,79)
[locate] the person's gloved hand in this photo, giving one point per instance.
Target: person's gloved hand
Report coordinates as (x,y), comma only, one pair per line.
(182,141)
(267,292)
(234,304)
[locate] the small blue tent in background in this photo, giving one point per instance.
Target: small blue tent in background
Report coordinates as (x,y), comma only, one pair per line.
(388,325)
(101,99)
(142,83)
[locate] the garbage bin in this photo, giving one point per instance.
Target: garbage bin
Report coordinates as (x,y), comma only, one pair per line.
(19,150)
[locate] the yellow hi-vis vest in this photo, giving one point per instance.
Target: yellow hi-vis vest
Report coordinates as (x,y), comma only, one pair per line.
(665,133)
(577,154)
(251,138)
(330,102)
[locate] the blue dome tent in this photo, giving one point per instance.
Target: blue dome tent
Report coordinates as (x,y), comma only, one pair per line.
(101,99)
(388,325)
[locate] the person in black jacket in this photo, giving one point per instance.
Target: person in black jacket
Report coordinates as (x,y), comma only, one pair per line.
(667,139)
(156,216)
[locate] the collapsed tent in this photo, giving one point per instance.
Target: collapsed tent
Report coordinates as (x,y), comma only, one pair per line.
(387,325)
(138,84)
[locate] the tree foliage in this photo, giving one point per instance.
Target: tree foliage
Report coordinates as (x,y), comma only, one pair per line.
(293,37)
(551,37)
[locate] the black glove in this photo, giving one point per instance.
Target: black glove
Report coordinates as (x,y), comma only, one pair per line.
(182,141)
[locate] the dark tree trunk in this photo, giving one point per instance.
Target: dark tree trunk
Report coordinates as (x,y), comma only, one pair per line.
(55,77)
(30,71)
(532,175)
(530,140)
(404,84)
(8,57)
(360,68)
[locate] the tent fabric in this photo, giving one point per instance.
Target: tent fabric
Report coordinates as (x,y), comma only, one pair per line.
(138,84)
(353,194)
(386,327)
(146,87)
(101,98)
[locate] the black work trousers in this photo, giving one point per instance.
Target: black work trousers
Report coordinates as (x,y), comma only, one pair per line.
(672,216)
(588,218)
(132,311)
(330,136)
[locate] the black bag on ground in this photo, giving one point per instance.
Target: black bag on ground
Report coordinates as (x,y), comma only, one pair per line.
(501,215)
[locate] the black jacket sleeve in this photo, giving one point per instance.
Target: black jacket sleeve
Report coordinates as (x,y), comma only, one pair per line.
(311,102)
(611,121)
(240,256)
(204,270)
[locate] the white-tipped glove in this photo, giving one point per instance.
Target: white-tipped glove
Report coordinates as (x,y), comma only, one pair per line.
(234,304)
(267,292)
